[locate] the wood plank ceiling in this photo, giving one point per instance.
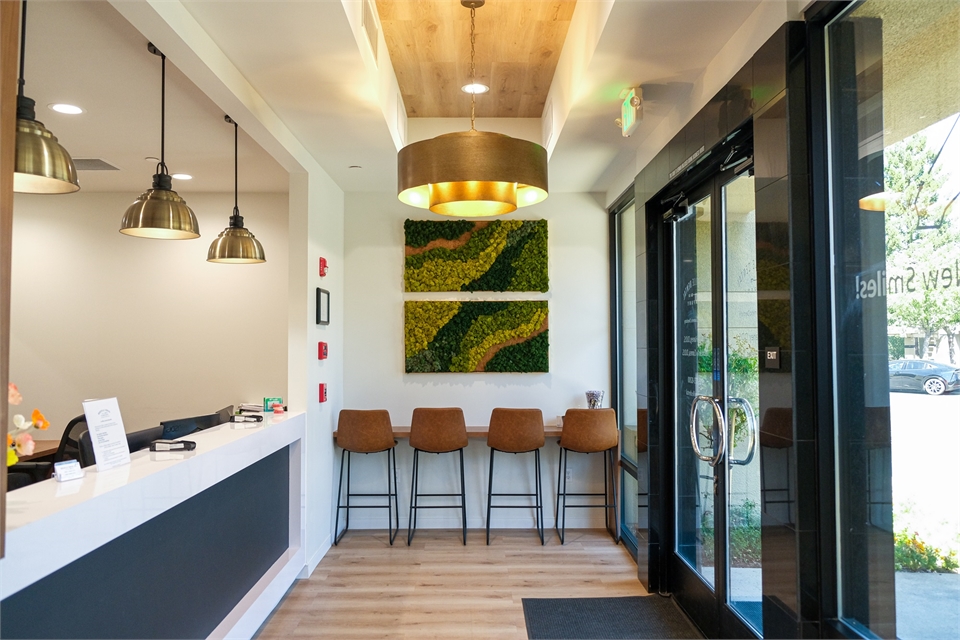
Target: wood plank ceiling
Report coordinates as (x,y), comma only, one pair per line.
(517,46)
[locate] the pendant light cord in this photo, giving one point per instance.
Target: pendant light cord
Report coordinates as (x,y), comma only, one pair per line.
(473,66)
(236,221)
(23,45)
(236,180)
(162,167)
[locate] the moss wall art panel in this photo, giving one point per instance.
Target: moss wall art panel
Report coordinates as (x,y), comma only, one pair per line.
(459,255)
(445,337)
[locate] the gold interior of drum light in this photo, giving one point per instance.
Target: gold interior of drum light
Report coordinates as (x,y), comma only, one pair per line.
(473,198)
(878,201)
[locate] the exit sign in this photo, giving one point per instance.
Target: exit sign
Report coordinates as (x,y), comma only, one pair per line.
(631,112)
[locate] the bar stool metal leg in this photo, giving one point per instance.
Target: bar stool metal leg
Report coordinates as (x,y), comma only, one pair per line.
(537,495)
(539,485)
(412,520)
(393,509)
(415,498)
(489,493)
(336,522)
(396,491)
(561,517)
(556,511)
(463,499)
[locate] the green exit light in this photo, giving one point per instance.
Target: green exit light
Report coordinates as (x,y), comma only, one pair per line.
(630,112)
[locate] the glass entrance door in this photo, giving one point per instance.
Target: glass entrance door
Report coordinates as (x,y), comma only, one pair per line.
(717,562)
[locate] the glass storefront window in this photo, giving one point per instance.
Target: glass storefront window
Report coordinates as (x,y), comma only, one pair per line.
(894,107)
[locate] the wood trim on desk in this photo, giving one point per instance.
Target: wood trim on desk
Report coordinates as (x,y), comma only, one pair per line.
(41,448)
(549,430)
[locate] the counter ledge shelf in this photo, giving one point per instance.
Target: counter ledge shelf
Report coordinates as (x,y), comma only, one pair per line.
(175,544)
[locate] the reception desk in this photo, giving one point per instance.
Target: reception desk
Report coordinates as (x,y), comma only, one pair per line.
(173,545)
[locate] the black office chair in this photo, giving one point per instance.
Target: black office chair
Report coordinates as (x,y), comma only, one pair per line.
(18,479)
(27,473)
(69,448)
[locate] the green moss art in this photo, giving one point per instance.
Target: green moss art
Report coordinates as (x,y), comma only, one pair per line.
(458,255)
(510,337)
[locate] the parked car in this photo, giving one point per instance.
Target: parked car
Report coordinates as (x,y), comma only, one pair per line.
(922,375)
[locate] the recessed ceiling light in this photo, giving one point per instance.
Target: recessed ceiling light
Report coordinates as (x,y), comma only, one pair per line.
(474,87)
(354,166)
(66,108)
(181,176)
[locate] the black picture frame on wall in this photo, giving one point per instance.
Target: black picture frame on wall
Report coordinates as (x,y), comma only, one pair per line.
(323,306)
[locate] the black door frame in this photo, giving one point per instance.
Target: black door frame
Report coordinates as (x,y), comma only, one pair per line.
(720,165)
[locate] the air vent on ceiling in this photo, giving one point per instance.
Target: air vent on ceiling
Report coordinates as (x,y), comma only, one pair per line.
(93,164)
(370,26)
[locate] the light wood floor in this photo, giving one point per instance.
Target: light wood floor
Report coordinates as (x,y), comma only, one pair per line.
(437,588)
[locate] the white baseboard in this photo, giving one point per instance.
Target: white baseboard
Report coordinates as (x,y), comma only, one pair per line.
(316,558)
(255,607)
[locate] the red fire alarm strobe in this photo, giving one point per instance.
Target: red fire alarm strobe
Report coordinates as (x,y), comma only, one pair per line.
(323,267)
(323,392)
(321,351)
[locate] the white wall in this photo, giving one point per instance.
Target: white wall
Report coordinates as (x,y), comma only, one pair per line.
(374,358)
(99,314)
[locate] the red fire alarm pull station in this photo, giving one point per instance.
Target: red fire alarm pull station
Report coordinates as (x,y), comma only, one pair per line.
(323,392)
(321,351)
(323,267)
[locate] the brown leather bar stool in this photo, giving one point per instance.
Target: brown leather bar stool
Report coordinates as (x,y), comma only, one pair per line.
(367,432)
(436,431)
(776,435)
(516,431)
(587,431)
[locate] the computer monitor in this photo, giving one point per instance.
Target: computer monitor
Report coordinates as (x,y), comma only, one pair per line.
(224,414)
(173,429)
(141,439)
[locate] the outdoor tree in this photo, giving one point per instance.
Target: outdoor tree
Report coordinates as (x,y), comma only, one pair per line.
(922,239)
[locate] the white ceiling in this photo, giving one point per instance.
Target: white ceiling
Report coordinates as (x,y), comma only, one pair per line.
(303,59)
(661,45)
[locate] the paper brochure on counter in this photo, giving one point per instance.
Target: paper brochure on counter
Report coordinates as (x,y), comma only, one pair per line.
(106,433)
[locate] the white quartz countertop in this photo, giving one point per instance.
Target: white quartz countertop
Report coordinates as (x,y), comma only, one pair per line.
(50,523)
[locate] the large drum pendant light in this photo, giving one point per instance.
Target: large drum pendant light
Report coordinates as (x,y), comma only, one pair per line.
(472,173)
(159,212)
(42,164)
(235,245)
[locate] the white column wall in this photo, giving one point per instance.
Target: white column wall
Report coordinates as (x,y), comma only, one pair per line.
(316,229)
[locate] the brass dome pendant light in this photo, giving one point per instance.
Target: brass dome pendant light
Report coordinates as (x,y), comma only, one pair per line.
(159,212)
(235,245)
(42,165)
(472,173)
